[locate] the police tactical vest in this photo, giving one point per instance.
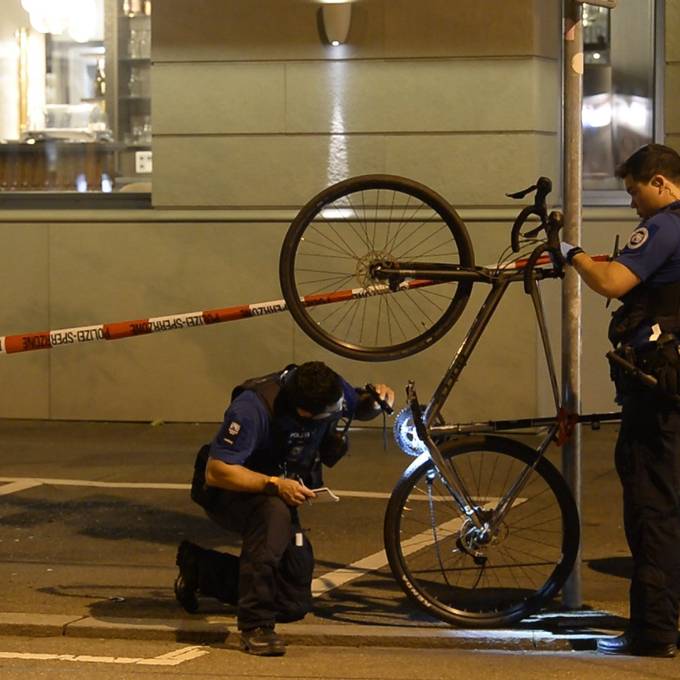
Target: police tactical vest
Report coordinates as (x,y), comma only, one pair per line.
(298,445)
(644,303)
(267,387)
(654,304)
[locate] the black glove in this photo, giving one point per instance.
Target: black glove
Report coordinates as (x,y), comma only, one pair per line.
(667,369)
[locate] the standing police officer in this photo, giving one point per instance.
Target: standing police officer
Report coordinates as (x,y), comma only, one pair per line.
(644,331)
(263,463)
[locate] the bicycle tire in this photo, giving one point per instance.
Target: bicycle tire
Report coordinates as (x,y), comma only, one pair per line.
(429,547)
(352,225)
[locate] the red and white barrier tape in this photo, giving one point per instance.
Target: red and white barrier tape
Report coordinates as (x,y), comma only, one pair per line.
(26,342)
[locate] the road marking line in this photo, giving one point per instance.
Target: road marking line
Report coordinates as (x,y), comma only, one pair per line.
(175,658)
(18,485)
(170,659)
(337,578)
(378,560)
(103,485)
(15,484)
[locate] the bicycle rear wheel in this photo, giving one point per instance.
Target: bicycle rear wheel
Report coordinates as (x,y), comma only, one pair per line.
(333,246)
(451,570)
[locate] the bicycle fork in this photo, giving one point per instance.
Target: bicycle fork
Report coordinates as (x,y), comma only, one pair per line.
(484,523)
(448,473)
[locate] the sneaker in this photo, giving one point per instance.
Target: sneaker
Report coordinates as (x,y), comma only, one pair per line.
(633,645)
(186,583)
(262,641)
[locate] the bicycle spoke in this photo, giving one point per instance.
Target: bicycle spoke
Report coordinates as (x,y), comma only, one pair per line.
(475,577)
(334,247)
(353,236)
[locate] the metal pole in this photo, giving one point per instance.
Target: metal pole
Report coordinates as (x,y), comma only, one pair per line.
(571,292)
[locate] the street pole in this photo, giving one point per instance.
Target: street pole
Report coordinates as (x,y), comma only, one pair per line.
(571,289)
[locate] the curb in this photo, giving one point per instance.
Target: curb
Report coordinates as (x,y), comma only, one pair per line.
(223,630)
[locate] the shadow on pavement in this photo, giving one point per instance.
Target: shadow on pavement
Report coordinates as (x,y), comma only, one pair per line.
(107,517)
(614,566)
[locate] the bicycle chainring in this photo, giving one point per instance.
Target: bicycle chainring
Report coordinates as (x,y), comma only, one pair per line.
(406,436)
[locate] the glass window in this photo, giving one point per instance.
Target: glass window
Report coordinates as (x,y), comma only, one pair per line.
(75,110)
(618,88)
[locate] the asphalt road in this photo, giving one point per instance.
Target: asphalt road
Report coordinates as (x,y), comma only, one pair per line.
(68,546)
(62,658)
(91,515)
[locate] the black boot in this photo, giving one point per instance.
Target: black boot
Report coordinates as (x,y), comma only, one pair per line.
(186,584)
(262,641)
(633,645)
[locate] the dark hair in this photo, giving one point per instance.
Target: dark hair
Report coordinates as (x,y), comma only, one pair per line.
(313,386)
(650,160)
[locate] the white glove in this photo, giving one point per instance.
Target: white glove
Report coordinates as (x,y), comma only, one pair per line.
(568,251)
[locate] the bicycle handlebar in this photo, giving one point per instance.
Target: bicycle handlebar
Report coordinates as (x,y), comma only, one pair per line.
(550,223)
(384,406)
(542,188)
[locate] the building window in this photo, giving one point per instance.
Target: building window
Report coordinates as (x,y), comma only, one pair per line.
(75,110)
(618,88)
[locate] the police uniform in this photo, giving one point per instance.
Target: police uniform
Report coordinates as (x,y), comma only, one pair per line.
(271,581)
(647,452)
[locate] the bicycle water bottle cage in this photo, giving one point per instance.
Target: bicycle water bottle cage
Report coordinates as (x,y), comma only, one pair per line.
(542,188)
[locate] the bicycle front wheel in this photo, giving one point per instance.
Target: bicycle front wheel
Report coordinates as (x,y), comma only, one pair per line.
(475,578)
(336,244)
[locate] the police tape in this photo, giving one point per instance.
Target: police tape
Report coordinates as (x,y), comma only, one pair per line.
(27,342)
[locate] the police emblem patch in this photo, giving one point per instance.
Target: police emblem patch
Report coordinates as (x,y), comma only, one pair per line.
(234,428)
(638,238)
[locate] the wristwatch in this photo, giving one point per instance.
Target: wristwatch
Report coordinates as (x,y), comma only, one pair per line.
(271,488)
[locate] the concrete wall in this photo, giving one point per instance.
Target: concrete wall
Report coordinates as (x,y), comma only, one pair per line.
(441,92)
(60,275)
(252,116)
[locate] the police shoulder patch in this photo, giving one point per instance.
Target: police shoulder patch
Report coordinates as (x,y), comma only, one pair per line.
(232,432)
(638,238)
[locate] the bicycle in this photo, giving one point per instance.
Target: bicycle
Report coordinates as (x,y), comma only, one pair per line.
(481,529)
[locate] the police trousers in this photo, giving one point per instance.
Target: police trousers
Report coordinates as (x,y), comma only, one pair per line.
(274,573)
(648,464)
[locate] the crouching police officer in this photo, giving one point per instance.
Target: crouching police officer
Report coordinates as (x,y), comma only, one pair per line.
(263,463)
(644,331)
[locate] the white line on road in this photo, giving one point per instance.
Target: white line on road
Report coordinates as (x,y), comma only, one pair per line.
(337,578)
(18,485)
(171,659)
(14,484)
(378,560)
(321,585)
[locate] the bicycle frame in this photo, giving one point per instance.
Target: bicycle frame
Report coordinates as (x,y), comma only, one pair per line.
(433,424)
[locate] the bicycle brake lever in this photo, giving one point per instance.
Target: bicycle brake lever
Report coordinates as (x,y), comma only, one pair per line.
(533,232)
(542,187)
(519,221)
(523,193)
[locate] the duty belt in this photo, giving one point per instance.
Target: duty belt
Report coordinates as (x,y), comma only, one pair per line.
(626,359)
(630,361)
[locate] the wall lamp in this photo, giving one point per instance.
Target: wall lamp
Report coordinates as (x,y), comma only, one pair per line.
(335,20)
